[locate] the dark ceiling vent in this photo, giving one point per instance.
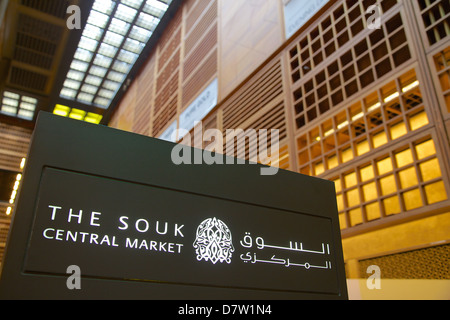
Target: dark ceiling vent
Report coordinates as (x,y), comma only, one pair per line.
(35,44)
(34,51)
(28,79)
(36,41)
(39,28)
(33,58)
(55,8)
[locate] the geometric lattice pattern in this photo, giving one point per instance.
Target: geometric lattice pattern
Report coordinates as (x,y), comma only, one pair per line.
(428,263)
(435,15)
(442,64)
(392,184)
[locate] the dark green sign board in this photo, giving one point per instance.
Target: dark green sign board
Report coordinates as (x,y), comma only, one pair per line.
(138,226)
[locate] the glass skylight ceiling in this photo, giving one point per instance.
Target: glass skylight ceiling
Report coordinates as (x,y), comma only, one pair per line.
(115,34)
(19,106)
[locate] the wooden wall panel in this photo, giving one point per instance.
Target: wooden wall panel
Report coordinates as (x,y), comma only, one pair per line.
(200,50)
(201,77)
(124,116)
(270,117)
(168,33)
(250,31)
(166,103)
(363,116)
(348,93)
(252,96)
(142,113)
(167,70)
(167,75)
(144,99)
(321,84)
(434,18)
(197,55)
(202,23)
(14,144)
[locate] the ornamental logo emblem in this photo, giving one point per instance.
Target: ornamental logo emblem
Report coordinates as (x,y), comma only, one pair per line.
(213,241)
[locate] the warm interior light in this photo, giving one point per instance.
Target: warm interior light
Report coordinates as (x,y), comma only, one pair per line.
(61,110)
(392,97)
(375,106)
(15,188)
(358,116)
(410,86)
(8,211)
(77,114)
(93,118)
(342,125)
(22,163)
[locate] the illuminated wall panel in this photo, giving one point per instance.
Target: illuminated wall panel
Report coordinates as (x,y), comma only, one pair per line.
(332,84)
(434,16)
(408,177)
(363,107)
(383,115)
